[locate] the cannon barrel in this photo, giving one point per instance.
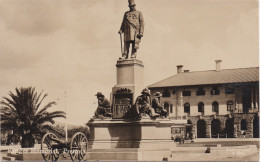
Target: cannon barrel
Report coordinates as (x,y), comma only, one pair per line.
(59,141)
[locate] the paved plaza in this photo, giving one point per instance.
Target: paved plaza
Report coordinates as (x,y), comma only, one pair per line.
(192,153)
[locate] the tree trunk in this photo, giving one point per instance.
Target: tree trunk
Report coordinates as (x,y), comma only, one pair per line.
(27,141)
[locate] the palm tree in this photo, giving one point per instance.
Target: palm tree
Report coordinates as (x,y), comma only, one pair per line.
(21,113)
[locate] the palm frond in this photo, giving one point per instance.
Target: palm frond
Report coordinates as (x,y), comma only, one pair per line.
(8,106)
(45,107)
(22,110)
(49,117)
(9,103)
(37,100)
(38,105)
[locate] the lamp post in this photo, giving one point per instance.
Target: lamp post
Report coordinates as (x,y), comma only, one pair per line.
(66,125)
(65,106)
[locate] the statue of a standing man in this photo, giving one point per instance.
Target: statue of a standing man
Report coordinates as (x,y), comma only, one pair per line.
(133,29)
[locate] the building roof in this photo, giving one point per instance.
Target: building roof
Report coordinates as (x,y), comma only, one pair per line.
(224,76)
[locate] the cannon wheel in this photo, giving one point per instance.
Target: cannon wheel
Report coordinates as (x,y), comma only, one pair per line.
(48,153)
(78,147)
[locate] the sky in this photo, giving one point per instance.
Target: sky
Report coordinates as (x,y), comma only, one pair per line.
(73,45)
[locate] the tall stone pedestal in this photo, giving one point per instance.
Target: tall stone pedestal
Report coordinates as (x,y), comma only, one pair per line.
(119,139)
(129,76)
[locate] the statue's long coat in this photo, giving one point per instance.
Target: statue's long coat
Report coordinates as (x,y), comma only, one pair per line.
(133,24)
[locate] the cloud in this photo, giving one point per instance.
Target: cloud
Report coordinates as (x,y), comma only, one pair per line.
(12,60)
(32,17)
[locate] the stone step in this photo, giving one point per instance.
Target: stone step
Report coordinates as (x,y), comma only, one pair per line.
(112,156)
(182,154)
(38,157)
(127,154)
(7,158)
(189,149)
(126,149)
(114,150)
(192,157)
(12,155)
(4,150)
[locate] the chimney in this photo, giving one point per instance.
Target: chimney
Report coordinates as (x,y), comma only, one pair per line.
(218,65)
(186,71)
(179,68)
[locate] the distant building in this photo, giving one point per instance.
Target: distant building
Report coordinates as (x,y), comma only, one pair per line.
(221,103)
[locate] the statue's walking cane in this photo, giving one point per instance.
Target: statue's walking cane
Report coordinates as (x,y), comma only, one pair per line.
(121,43)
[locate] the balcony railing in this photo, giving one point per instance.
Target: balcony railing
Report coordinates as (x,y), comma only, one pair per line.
(240,111)
(201,113)
(219,135)
(179,118)
(186,114)
(253,110)
(215,113)
(200,93)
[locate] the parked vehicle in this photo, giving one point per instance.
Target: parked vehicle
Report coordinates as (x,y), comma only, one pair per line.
(178,133)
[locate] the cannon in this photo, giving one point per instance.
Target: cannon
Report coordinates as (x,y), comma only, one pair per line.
(52,147)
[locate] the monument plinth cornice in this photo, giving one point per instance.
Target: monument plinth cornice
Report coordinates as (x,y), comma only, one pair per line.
(129,62)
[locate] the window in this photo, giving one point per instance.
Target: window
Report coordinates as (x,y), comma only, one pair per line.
(229,90)
(201,107)
(173,91)
(200,91)
(166,93)
(254,98)
(187,107)
(230,106)
(166,105)
(215,91)
(176,130)
(171,108)
(243,124)
(215,106)
(186,93)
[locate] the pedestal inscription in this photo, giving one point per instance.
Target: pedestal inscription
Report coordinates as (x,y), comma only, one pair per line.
(122,103)
(121,107)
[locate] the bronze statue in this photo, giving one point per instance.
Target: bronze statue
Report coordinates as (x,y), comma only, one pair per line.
(143,106)
(133,29)
(104,108)
(156,104)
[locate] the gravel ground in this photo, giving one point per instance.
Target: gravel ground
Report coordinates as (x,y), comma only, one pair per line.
(254,157)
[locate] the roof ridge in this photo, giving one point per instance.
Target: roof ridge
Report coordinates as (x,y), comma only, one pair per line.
(162,80)
(212,76)
(215,70)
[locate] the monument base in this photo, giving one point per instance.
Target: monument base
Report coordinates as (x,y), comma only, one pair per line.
(143,144)
(152,154)
(119,139)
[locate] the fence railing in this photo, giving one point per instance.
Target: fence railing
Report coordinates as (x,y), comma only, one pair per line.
(219,135)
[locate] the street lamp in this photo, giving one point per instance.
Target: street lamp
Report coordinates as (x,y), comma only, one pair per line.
(65,105)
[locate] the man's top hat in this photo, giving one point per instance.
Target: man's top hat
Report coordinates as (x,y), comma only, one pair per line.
(131,3)
(99,94)
(146,91)
(158,94)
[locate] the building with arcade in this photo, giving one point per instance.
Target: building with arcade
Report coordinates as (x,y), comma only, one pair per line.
(220,103)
